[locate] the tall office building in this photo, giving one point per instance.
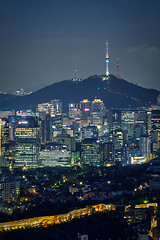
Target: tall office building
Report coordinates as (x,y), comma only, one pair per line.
(4,139)
(85,110)
(90,152)
(97,114)
(89,132)
(155,131)
(77,127)
(57,106)
(114,119)
(67,140)
(108,153)
(141,118)
(45,107)
(127,122)
(155,120)
(145,146)
(158,100)
(120,138)
(138,131)
(46,128)
(27,147)
(55,155)
(53,107)
(75,110)
(56,125)
(97,106)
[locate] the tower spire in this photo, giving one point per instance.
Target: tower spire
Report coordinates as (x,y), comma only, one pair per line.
(107,61)
(117,68)
(75,74)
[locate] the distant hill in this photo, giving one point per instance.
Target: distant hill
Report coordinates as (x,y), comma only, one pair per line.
(116,93)
(6,97)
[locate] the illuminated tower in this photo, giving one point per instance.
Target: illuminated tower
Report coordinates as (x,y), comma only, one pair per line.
(107,61)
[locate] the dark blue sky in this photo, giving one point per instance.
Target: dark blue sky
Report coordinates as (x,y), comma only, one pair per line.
(42,42)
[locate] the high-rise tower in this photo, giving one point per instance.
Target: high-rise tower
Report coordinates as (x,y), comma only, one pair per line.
(117,68)
(107,61)
(4,139)
(27,143)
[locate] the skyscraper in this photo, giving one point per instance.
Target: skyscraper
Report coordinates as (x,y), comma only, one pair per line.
(145,146)
(57,106)
(27,137)
(56,125)
(155,131)
(4,139)
(114,120)
(127,121)
(85,110)
(89,132)
(46,128)
(75,110)
(120,138)
(97,114)
(90,152)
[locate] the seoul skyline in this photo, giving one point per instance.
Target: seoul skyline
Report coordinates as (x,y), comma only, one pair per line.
(44,42)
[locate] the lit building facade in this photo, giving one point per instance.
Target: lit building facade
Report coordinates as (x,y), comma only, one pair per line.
(108,153)
(127,122)
(97,114)
(75,110)
(27,138)
(55,157)
(145,147)
(4,139)
(85,110)
(114,119)
(10,189)
(57,106)
(89,132)
(46,128)
(53,107)
(120,138)
(56,125)
(90,153)
(46,107)
(155,132)
(67,140)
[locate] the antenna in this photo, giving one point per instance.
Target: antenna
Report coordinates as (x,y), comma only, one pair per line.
(75,74)
(117,68)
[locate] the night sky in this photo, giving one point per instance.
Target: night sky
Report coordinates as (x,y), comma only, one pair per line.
(42,42)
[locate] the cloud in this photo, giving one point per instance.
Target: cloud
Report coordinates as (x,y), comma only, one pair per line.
(145,48)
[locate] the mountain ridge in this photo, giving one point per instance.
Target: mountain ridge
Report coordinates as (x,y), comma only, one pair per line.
(115,92)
